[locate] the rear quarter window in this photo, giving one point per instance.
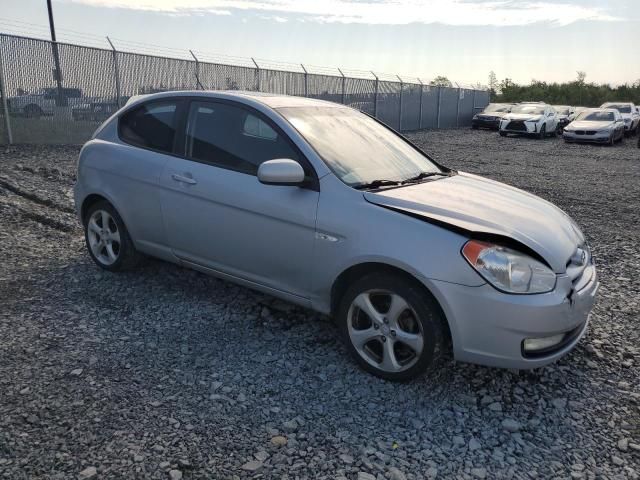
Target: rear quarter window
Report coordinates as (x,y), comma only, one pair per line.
(151,125)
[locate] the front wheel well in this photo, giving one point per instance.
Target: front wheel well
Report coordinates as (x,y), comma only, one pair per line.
(88,202)
(355,272)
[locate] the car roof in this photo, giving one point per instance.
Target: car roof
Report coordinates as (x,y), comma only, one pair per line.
(601,109)
(271,100)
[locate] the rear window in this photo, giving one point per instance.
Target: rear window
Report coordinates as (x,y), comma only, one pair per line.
(152,125)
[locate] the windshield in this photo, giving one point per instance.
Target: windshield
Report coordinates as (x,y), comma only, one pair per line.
(622,108)
(597,116)
(562,110)
(496,107)
(532,109)
(357,148)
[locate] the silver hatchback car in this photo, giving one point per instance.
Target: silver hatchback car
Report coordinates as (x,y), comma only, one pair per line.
(326,207)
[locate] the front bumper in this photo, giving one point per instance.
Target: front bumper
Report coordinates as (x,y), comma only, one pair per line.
(493,124)
(519,127)
(587,138)
(489,327)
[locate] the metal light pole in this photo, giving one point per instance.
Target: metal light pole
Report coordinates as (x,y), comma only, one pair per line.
(57,74)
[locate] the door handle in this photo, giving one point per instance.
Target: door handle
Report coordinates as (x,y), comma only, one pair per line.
(182,179)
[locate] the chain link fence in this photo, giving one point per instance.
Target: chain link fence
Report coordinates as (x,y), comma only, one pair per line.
(59,93)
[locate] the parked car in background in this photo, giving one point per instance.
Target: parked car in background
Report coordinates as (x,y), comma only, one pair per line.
(576,111)
(490,116)
(94,111)
(530,118)
(629,114)
(564,112)
(289,195)
(43,103)
(596,125)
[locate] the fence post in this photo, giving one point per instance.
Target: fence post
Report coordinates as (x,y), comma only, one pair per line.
(3,93)
(116,71)
(306,88)
(458,107)
(439,103)
(420,107)
(257,74)
(375,97)
(198,83)
(400,109)
(344,81)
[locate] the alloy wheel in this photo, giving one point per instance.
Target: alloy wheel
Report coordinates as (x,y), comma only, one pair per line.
(385,330)
(104,237)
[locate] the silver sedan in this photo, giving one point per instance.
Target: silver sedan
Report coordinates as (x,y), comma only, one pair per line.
(596,125)
(326,207)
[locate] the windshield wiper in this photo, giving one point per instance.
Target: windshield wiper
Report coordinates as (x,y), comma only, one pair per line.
(377,184)
(423,175)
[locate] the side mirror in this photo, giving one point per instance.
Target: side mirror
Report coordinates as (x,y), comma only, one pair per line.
(550,114)
(282,171)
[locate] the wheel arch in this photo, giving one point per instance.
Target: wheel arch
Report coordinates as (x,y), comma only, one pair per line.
(89,201)
(359,270)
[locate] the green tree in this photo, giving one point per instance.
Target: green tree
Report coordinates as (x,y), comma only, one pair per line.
(441,81)
(493,83)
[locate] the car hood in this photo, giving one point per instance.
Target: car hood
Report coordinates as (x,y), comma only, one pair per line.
(492,114)
(523,116)
(478,205)
(590,124)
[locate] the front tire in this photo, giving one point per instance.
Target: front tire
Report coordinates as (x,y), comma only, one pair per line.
(391,326)
(503,134)
(543,132)
(107,238)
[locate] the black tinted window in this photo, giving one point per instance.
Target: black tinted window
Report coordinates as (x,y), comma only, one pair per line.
(232,137)
(152,125)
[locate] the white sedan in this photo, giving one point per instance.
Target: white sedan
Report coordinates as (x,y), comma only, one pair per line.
(537,119)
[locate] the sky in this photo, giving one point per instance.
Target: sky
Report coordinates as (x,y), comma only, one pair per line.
(463,40)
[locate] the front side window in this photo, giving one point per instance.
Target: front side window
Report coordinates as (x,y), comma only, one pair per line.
(151,125)
(355,147)
(232,137)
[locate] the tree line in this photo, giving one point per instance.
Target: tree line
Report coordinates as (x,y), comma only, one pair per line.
(577,93)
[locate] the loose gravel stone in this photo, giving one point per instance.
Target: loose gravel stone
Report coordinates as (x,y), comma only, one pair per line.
(175,474)
(181,367)
(89,472)
(252,466)
(510,425)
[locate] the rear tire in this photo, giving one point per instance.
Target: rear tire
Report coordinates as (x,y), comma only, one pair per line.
(391,325)
(107,238)
(503,134)
(474,127)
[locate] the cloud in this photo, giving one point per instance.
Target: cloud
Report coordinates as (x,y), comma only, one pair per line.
(383,12)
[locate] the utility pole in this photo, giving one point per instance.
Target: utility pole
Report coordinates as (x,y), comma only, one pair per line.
(61,100)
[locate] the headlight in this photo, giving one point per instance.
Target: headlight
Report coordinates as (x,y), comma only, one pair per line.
(509,270)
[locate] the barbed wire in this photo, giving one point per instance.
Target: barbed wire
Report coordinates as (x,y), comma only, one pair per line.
(66,35)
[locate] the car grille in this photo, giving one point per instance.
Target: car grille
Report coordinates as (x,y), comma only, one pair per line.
(591,132)
(517,125)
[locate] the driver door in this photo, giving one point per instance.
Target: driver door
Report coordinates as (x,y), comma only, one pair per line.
(219,216)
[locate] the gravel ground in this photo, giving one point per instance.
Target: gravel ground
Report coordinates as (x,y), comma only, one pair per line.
(166,373)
